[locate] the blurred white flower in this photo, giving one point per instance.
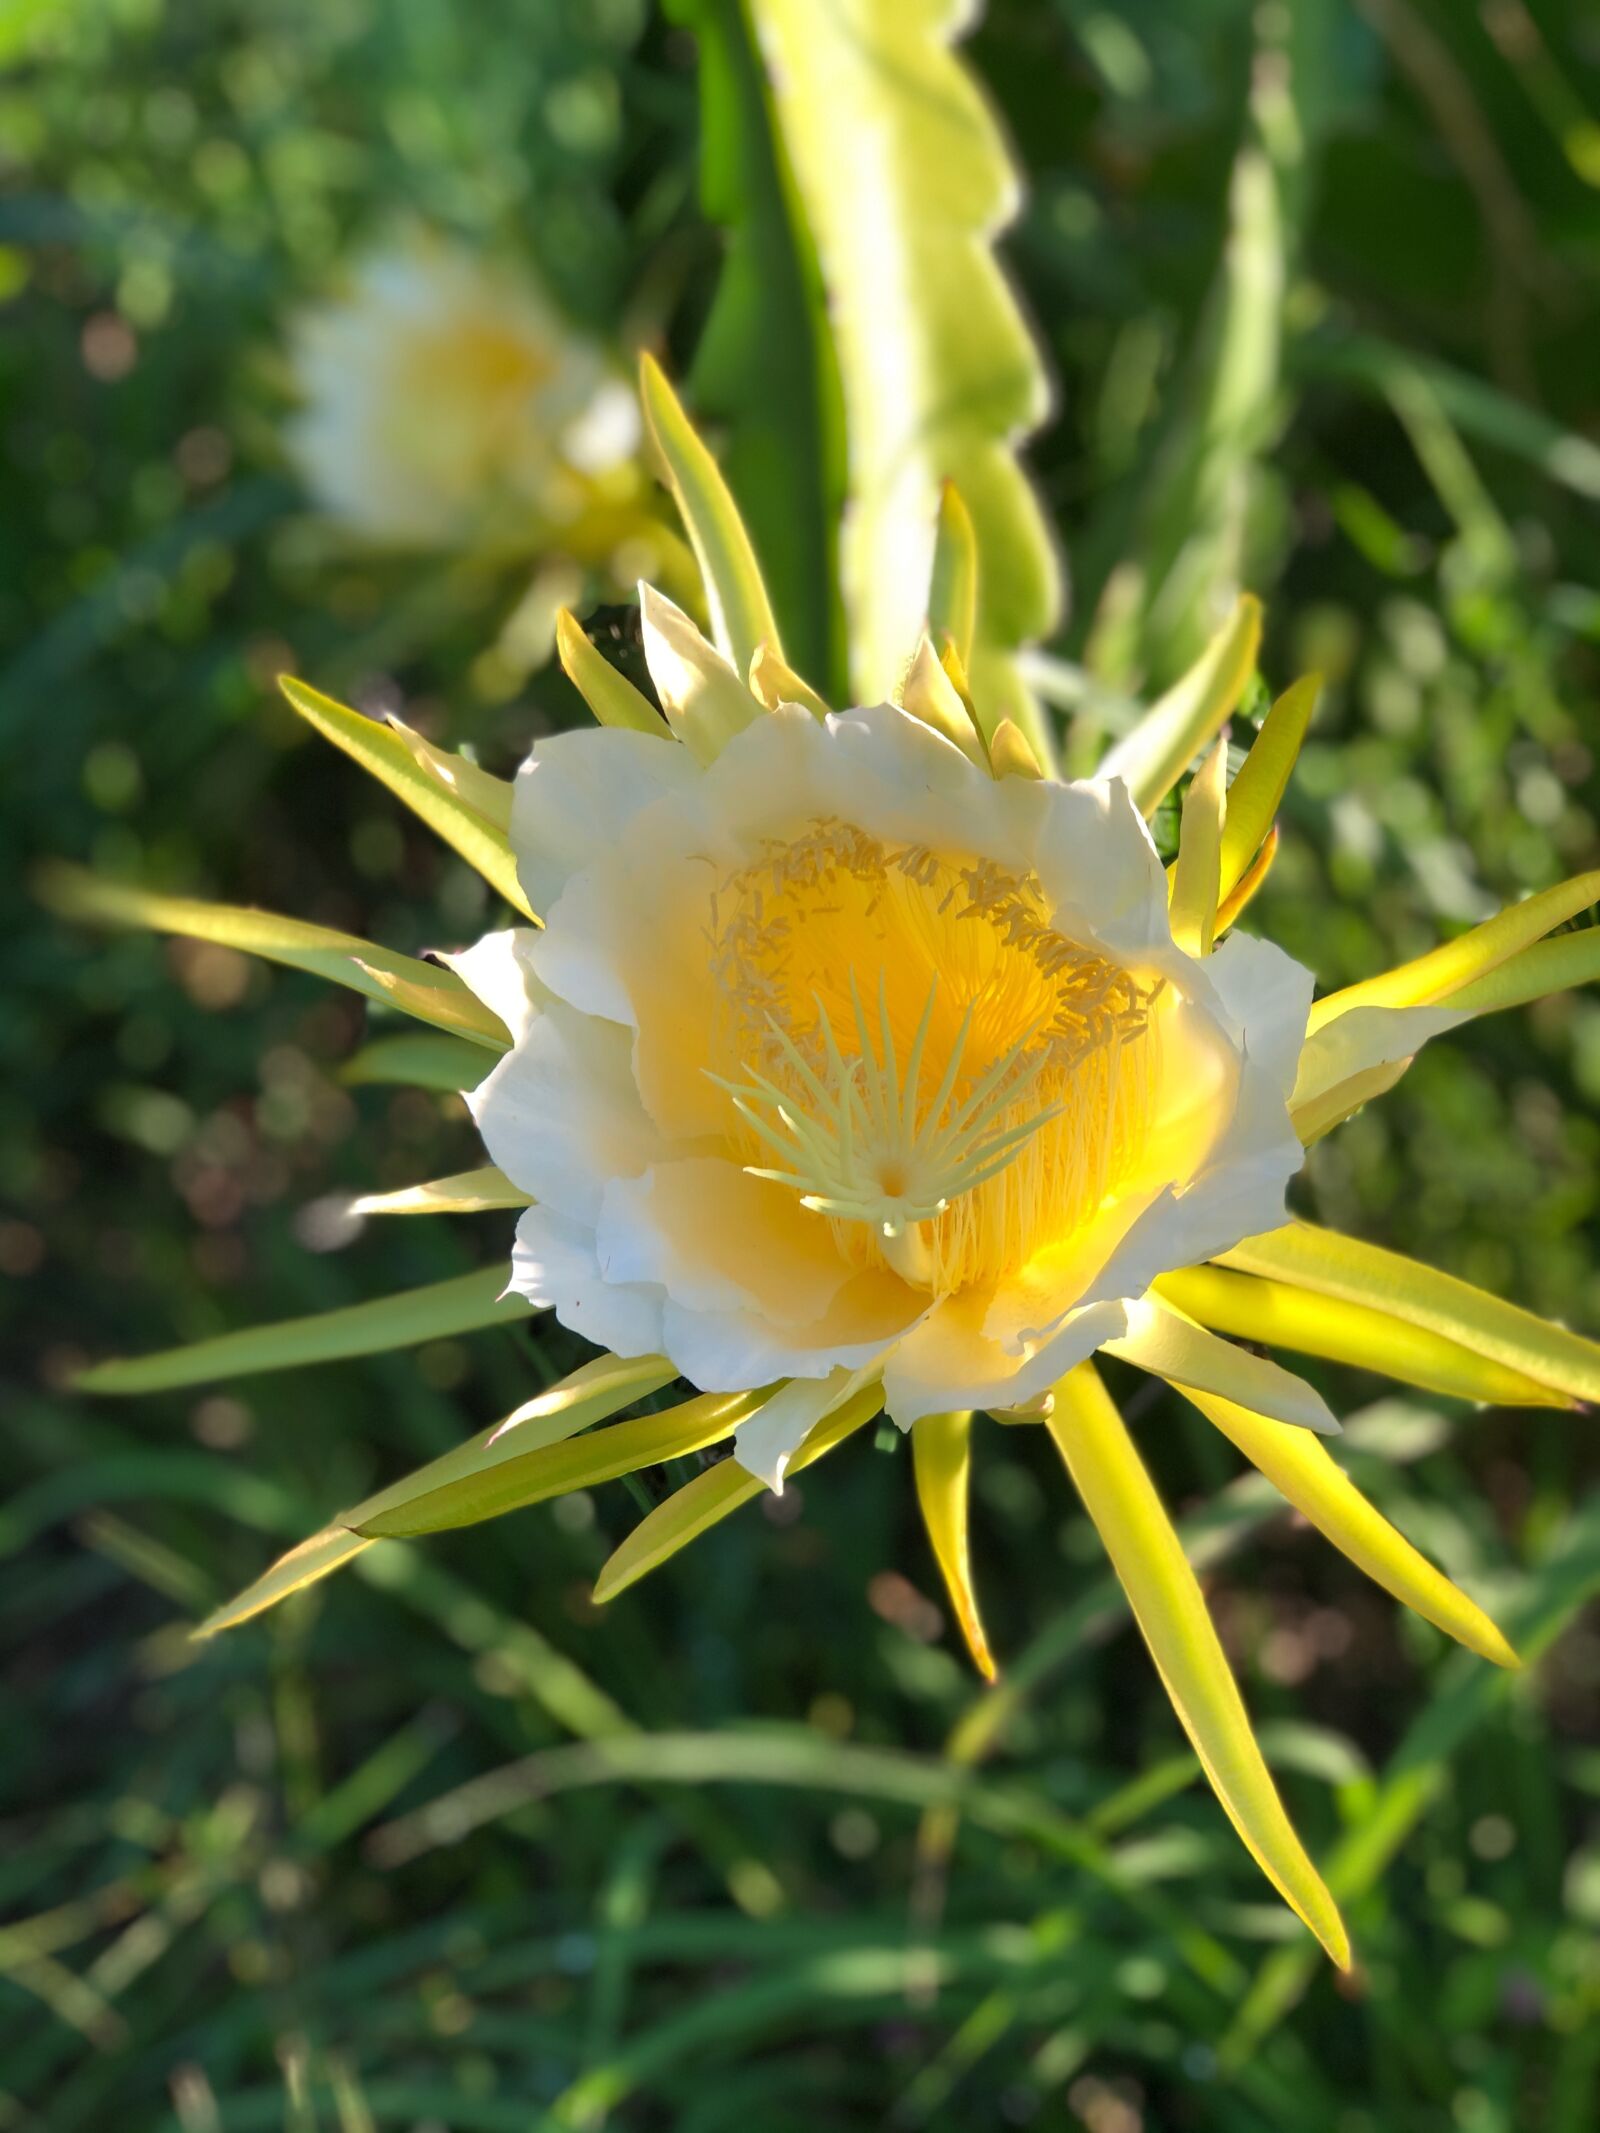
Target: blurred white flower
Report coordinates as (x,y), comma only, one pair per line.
(443,397)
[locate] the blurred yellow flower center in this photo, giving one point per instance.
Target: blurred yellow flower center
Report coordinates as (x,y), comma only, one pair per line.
(465,395)
(913,1050)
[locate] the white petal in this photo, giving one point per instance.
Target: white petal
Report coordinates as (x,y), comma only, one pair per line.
(717,1239)
(1101,872)
(728,1351)
(576,796)
(560,1113)
(1269,995)
(1222,1161)
(553,1264)
(948,1361)
(499,969)
(766,1443)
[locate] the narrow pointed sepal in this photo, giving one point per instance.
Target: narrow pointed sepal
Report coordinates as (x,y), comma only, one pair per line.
(611,697)
(588,1395)
(437,1312)
(1331,1265)
(1011,752)
(1433,980)
(1253,1307)
(705,701)
(1240,896)
(422,990)
(928,693)
(1153,757)
(741,614)
(530,1464)
(1197,871)
(1161,1339)
(773,681)
(465,1192)
(307,1563)
(1171,1613)
(469,809)
(941,1449)
(716,1493)
(1256,793)
(1306,1475)
(953,594)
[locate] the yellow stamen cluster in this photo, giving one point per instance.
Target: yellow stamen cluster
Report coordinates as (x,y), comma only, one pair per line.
(915,1052)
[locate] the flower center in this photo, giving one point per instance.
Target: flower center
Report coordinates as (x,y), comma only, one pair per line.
(913,1050)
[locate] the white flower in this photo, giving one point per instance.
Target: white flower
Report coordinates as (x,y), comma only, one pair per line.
(439,387)
(840,1055)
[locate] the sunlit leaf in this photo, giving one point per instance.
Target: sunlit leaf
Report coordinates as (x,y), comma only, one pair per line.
(470,810)
(443,1308)
(423,990)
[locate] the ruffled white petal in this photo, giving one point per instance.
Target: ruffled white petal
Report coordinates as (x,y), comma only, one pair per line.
(727,1351)
(499,969)
(947,1361)
(717,1239)
(561,1114)
(575,797)
(766,1443)
(553,1265)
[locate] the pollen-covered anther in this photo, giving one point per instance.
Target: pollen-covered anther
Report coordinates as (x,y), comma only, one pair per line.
(945,1132)
(867,1149)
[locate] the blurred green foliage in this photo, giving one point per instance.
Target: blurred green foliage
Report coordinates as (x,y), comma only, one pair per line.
(1322,289)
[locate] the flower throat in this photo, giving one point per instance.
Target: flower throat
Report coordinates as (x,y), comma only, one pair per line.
(912,1049)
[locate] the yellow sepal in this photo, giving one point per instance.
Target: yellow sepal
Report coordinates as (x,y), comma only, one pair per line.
(611,697)
(1197,870)
(1303,1472)
(1319,1259)
(1167,1604)
(941,1451)
(711,1496)
(1258,1309)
